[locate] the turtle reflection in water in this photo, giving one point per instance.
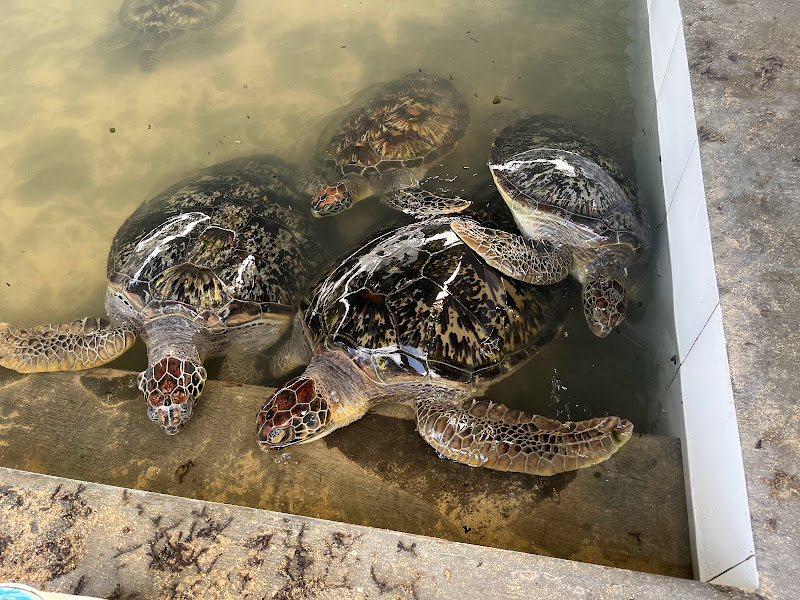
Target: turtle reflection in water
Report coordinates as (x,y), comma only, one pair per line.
(417,317)
(212,266)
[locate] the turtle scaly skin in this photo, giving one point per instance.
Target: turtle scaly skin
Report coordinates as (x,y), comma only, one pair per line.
(385,146)
(212,266)
(576,209)
(416,317)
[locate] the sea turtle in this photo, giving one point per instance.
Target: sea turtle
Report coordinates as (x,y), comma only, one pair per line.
(416,317)
(214,265)
(386,144)
(578,213)
(148,25)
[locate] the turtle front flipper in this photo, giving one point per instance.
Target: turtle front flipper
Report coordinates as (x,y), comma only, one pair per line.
(481,433)
(81,344)
(532,261)
(421,203)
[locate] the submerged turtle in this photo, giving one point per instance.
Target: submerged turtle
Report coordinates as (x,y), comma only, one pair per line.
(417,317)
(148,25)
(214,265)
(578,213)
(388,142)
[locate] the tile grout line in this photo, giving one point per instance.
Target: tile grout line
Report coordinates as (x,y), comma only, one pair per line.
(683,172)
(671,51)
(702,329)
(730,568)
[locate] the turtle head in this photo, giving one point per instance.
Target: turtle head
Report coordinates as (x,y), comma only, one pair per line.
(171,388)
(299,412)
(604,304)
(149,59)
(332,199)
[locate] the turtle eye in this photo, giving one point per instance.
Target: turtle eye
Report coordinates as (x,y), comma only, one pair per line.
(311,420)
(275,436)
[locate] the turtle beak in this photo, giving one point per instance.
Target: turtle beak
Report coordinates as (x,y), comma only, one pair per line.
(172,418)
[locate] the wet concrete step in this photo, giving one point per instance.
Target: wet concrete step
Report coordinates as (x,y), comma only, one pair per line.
(91,426)
(86,538)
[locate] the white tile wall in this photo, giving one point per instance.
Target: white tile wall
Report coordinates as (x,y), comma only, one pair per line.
(676,123)
(693,277)
(665,20)
(713,459)
(736,574)
(721,535)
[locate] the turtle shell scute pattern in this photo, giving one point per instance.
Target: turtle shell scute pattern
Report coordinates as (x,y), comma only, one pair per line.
(419,303)
(405,124)
(545,160)
(571,187)
(235,236)
(172,16)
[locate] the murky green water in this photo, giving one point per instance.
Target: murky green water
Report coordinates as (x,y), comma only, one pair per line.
(265,80)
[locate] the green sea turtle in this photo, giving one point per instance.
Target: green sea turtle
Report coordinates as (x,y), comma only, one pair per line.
(416,317)
(577,211)
(215,265)
(386,145)
(148,25)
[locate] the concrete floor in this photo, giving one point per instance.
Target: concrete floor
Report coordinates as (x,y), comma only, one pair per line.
(744,59)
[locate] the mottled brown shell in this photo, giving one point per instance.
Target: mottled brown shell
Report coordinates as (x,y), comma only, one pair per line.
(419,303)
(547,164)
(224,247)
(408,123)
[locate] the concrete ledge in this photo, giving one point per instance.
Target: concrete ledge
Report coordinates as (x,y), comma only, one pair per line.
(67,536)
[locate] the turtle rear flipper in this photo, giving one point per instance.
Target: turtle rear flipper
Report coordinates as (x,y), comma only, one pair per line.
(481,433)
(532,261)
(418,202)
(81,344)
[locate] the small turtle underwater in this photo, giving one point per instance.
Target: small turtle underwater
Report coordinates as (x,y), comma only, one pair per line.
(416,317)
(578,213)
(386,144)
(212,266)
(149,25)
